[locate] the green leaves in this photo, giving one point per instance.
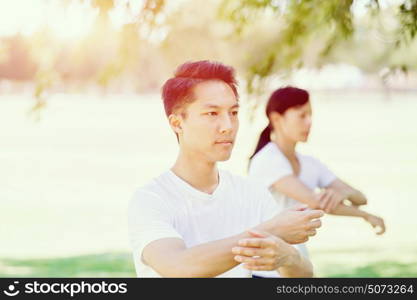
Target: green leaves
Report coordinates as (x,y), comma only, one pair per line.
(407,15)
(308,32)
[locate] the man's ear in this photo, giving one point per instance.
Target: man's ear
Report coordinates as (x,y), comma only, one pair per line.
(175,121)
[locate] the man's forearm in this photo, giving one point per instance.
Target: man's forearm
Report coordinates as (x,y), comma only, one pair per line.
(208,259)
(216,257)
(205,260)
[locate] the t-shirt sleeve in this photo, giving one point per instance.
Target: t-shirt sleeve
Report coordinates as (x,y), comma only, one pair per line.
(149,219)
(269,207)
(268,169)
(326,177)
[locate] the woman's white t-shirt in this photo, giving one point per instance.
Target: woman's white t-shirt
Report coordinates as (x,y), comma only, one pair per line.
(270,165)
(170,207)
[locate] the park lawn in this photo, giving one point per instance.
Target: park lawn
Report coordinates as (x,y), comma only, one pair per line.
(120,265)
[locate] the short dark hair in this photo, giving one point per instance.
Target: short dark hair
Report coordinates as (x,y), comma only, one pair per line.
(176,90)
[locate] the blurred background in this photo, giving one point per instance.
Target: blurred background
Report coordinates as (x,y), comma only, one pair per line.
(82,122)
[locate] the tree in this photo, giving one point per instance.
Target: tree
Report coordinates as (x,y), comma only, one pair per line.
(303,25)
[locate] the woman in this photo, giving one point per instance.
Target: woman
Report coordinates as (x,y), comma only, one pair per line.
(293,178)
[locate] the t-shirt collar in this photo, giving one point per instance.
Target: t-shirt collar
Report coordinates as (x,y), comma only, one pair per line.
(195,193)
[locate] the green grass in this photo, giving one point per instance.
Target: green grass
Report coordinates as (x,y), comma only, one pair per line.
(365,262)
(94,265)
(377,269)
(120,265)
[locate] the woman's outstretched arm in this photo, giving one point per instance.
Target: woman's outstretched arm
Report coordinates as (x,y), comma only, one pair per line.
(353,195)
(292,187)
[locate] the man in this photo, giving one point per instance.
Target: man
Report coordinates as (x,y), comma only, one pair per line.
(197,221)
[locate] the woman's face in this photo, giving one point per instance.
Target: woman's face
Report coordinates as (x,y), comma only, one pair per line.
(294,124)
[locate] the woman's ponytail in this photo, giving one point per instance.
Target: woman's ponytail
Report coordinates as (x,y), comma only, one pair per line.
(264,139)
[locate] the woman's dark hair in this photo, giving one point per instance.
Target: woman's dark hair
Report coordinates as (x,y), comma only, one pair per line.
(280,100)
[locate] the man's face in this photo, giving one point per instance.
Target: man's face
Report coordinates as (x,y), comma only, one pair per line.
(209,124)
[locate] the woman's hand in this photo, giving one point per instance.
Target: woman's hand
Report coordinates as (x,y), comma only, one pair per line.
(330,198)
(376,222)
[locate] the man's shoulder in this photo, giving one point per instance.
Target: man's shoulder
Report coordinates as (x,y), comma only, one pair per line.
(150,190)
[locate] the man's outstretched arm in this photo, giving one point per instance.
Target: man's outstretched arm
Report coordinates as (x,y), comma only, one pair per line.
(171,258)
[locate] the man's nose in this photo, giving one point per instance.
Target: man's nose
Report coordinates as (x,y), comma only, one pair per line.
(226,124)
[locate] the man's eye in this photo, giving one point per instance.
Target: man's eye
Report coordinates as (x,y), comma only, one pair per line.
(212,113)
(235,113)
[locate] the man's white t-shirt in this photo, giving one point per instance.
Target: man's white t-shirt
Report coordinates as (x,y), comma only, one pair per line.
(170,207)
(270,165)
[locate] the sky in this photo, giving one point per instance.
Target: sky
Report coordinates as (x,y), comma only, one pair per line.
(71,21)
